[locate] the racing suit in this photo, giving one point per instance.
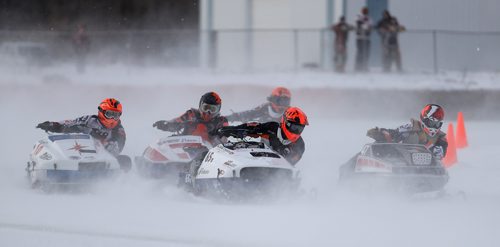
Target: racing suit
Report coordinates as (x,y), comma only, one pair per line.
(389,29)
(271,133)
(363,31)
(412,133)
(112,139)
(262,113)
(341,30)
(191,123)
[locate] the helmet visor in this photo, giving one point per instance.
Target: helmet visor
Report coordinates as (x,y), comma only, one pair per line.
(210,109)
(294,127)
(280,101)
(433,123)
(112,114)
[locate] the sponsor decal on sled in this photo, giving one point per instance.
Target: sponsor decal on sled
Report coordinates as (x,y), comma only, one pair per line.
(365,164)
(203,171)
(38,149)
(209,158)
(230,163)
(220,172)
(65,137)
(46,156)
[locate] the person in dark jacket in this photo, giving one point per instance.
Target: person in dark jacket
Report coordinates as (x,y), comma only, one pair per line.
(105,126)
(283,137)
(278,102)
(426,131)
(204,121)
(81,45)
(389,29)
(341,30)
(363,32)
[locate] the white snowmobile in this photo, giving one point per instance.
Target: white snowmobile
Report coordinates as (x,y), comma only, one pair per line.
(407,168)
(242,168)
(70,161)
(168,156)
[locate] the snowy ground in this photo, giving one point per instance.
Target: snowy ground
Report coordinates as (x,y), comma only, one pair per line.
(137,212)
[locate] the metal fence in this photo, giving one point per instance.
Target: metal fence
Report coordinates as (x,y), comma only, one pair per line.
(270,49)
(422,50)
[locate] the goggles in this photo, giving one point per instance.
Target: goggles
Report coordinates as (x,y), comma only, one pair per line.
(431,122)
(280,101)
(294,127)
(210,109)
(112,114)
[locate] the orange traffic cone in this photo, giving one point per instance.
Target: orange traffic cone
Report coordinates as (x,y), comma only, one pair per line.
(461,135)
(451,154)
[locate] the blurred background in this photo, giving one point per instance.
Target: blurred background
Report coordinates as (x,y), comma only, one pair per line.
(60,58)
(244,35)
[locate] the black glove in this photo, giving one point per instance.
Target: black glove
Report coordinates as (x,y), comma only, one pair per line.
(49,126)
(98,134)
(229,131)
(377,134)
(162,125)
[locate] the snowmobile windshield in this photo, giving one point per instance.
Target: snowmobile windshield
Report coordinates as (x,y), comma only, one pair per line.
(112,114)
(432,123)
(210,109)
(294,127)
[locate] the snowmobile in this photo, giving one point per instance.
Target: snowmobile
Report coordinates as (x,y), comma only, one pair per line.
(241,168)
(71,161)
(168,156)
(396,167)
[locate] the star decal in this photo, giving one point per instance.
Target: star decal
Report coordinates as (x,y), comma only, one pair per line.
(77,147)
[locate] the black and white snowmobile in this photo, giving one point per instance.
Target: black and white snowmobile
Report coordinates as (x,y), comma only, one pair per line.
(168,156)
(241,168)
(397,167)
(61,161)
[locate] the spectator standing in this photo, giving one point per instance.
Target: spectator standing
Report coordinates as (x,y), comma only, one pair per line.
(363,31)
(388,28)
(341,30)
(81,45)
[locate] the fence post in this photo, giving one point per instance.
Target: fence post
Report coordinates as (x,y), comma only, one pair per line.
(206,28)
(249,35)
(322,48)
(296,49)
(434,49)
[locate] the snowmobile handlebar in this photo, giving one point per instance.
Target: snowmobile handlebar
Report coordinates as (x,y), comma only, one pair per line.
(234,132)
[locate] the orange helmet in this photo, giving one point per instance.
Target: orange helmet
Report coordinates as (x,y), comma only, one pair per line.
(280,99)
(210,104)
(293,122)
(432,118)
(110,111)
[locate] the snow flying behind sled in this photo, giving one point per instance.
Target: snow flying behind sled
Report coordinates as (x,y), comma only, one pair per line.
(398,167)
(69,161)
(241,168)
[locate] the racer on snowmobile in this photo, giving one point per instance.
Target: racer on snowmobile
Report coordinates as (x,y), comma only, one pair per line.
(426,131)
(105,126)
(283,137)
(278,102)
(203,121)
